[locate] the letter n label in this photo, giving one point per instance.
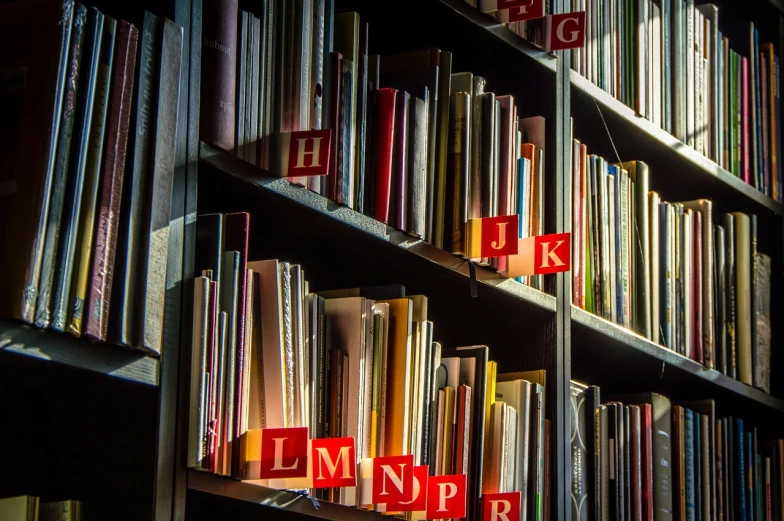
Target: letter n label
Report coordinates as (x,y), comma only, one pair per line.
(393,479)
(334,462)
(284,453)
(446,496)
(501,507)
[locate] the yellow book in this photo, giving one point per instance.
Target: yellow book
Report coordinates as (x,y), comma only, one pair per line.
(447,440)
(398,368)
(538,376)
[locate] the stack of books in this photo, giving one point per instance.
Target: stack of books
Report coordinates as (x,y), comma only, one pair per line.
(413,144)
(359,363)
(90,151)
(644,457)
(712,85)
(31,508)
(675,273)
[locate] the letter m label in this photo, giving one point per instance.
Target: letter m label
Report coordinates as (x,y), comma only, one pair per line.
(552,253)
(334,462)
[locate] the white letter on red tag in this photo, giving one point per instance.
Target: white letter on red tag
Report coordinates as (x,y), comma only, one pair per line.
(393,479)
(284,453)
(531,11)
(565,31)
(446,496)
(334,462)
(501,507)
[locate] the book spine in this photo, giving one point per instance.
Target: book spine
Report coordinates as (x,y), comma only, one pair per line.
(219,72)
(458,171)
(92,178)
(60,170)
(417,207)
(99,294)
(385,135)
(124,314)
(400,175)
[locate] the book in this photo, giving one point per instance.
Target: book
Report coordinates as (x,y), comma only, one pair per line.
(110,194)
(219,65)
(20,508)
(743,266)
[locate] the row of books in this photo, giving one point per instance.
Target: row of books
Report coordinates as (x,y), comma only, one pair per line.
(673,272)
(31,508)
(712,85)
(646,458)
(362,363)
(414,145)
(86,243)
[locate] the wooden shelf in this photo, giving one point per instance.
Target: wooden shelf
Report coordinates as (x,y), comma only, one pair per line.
(370,228)
(289,502)
(620,360)
(63,349)
(677,170)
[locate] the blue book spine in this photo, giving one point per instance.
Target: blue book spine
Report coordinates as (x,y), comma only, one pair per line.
(751,459)
(663,296)
(522,190)
(688,433)
(698,467)
(740,472)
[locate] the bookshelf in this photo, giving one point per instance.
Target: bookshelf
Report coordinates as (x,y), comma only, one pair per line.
(525,328)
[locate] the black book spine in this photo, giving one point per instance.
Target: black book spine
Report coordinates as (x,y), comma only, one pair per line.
(614,482)
(580,500)
(66,248)
(240,140)
(488,148)
(732,360)
(60,173)
(124,314)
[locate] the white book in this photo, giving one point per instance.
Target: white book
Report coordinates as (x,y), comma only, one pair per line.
(510,443)
(298,346)
(517,394)
(611,184)
(197,431)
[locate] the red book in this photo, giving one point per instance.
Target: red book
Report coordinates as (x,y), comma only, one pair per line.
(646,414)
(745,143)
(697,289)
(110,196)
(219,73)
(462,432)
(385,131)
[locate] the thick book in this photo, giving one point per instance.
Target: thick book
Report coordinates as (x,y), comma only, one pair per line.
(155,228)
(59,178)
(92,179)
(219,71)
(125,313)
(743,267)
(110,195)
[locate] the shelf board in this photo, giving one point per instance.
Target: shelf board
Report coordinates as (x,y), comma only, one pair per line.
(501,32)
(289,502)
(603,349)
(368,226)
(63,349)
(645,141)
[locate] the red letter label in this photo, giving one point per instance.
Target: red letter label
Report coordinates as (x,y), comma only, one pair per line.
(419,503)
(334,462)
(393,479)
(531,11)
(304,153)
(284,453)
(446,496)
(501,507)
(565,31)
(552,253)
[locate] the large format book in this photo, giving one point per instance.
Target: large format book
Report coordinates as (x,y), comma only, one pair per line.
(124,314)
(110,194)
(743,267)
(60,295)
(218,77)
(399,364)
(640,237)
(517,394)
(662,470)
(92,179)
(59,178)
(155,227)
